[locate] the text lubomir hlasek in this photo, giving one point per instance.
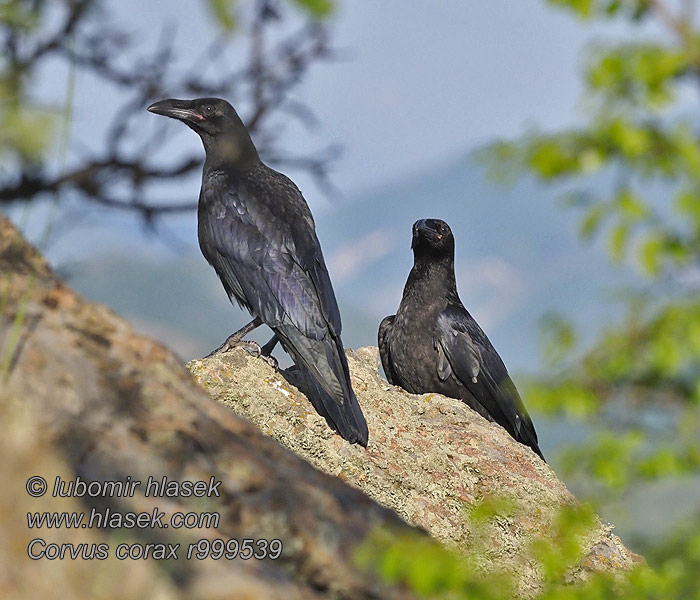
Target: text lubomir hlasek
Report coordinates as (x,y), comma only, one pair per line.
(154,487)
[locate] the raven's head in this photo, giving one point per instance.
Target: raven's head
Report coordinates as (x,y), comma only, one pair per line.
(432,237)
(216,122)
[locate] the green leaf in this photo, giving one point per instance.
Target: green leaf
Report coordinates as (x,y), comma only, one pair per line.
(687,147)
(650,254)
(20,16)
(618,240)
(640,74)
(224,13)
(317,8)
(592,220)
(613,7)
(636,9)
(25,131)
(632,140)
(583,8)
(631,206)
(549,159)
(591,160)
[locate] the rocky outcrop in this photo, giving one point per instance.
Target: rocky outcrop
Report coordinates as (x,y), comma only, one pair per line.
(83,395)
(429,458)
(103,403)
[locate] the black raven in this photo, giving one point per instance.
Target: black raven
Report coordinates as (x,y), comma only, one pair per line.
(256,230)
(432,344)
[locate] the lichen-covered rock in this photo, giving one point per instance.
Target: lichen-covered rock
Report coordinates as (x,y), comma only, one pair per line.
(81,394)
(429,458)
(105,403)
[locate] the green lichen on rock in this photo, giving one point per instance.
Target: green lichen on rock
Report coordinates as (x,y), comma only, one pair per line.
(429,458)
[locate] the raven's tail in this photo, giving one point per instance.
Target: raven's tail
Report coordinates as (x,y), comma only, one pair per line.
(347,420)
(531,440)
(505,406)
(521,426)
(325,370)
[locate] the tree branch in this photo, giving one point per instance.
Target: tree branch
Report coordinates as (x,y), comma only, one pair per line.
(126,160)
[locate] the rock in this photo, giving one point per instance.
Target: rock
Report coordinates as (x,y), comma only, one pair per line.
(94,399)
(83,395)
(429,458)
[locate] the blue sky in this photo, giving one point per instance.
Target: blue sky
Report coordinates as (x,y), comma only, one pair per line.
(420,81)
(431,79)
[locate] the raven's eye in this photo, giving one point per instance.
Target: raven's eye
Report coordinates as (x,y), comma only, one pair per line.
(208,109)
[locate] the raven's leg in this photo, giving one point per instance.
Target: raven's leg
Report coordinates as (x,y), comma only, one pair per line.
(265,352)
(236,339)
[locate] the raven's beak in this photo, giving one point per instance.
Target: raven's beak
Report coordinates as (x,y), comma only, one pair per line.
(419,227)
(422,227)
(425,229)
(176,109)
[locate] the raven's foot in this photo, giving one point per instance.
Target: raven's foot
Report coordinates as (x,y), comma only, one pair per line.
(266,353)
(272,361)
(236,339)
(255,350)
(252,348)
(261,353)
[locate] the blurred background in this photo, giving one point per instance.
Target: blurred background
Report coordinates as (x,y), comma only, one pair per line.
(558,138)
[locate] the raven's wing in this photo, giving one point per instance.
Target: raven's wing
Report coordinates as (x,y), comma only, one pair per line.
(265,250)
(465,352)
(385,348)
(268,256)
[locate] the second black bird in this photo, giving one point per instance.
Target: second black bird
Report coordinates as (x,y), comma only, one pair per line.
(256,230)
(432,344)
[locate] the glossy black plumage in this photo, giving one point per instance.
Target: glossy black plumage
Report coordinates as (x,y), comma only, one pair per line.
(432,344)
(256,230)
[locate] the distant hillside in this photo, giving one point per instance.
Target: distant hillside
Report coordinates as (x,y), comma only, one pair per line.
(517,257)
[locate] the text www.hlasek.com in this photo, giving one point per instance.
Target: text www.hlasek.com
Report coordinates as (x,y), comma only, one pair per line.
(107,518)
(128,520)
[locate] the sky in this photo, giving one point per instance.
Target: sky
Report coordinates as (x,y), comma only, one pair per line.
(431,79)
(417,83)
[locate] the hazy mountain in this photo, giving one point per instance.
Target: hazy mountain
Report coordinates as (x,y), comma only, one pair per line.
(517,257)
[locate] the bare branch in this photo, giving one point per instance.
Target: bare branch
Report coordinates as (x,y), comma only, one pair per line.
(125,160)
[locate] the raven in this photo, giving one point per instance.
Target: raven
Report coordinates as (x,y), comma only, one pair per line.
(432,344)
(256,230)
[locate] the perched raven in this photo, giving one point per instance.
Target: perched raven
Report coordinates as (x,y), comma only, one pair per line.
(432,344)
(257,231)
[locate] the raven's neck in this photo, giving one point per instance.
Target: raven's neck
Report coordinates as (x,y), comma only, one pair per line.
(432,280)
(232,151)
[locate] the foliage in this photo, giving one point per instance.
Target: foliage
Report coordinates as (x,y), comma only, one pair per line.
(643,140)
(430,570)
